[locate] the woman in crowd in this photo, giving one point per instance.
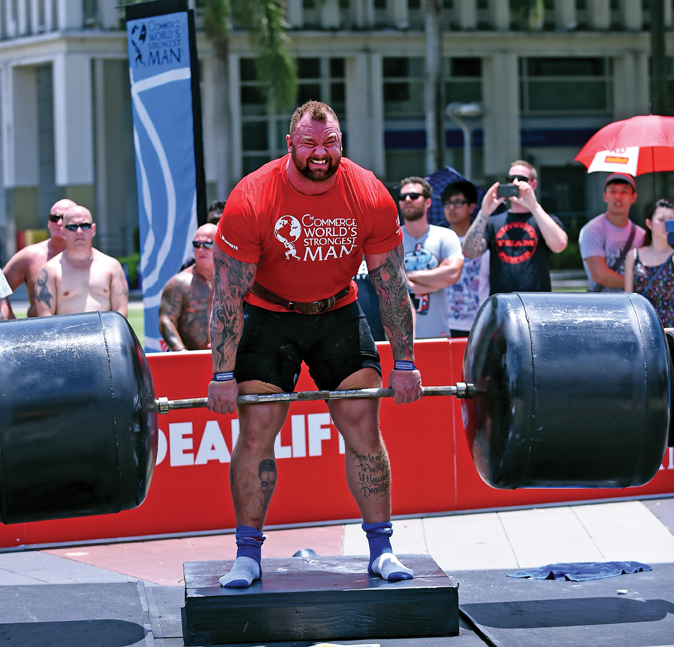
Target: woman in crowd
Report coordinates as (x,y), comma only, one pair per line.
(649,270)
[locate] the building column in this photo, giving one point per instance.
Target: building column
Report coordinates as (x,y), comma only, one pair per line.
(108,14)
(500,89)
(20,151)
(631,94)
(365,112)
(631,15)
(329,10)
(565,14)
(49,16)
(466,13)
(400,15)
(499,14)
(599,13)
(70,14)
(73,127)
(295,10)
(22,17)
(236,145)
(364,13)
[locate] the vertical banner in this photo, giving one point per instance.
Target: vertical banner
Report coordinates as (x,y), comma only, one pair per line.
(163,70)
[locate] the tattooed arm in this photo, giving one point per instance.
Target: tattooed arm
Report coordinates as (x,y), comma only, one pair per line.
(474,243)
(169,311)
(231,282)
(45,293)
(119,291)
(387,273)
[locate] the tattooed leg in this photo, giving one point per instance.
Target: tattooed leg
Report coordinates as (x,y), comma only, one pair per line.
(252,477)
(368,475)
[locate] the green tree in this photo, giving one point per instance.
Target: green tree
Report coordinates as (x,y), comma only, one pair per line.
(265,21)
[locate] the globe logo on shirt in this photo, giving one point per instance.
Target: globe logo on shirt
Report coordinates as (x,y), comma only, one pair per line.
(287,230)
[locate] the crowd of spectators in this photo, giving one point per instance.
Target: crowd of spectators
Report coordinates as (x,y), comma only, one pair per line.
(502,244)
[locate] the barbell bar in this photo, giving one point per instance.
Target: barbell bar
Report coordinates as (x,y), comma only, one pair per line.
(558,390)
(460,390)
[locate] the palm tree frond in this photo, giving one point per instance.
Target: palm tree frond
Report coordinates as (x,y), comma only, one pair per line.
(274,64)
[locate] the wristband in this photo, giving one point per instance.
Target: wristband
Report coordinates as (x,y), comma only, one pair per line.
(404,365)
(223,377)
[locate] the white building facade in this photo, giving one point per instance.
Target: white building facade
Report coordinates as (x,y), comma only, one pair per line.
(547,87)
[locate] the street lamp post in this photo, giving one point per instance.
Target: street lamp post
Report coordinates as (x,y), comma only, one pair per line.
(460,113)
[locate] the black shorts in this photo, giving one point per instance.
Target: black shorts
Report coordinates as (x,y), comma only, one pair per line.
(333,344)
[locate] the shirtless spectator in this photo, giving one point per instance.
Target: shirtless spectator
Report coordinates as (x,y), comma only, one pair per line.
(27,262)
(185,308)
(80,279)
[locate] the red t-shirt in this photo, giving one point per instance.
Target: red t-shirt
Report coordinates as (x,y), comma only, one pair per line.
(307,247)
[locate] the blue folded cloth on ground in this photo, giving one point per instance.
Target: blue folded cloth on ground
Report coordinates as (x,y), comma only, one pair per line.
(582,571)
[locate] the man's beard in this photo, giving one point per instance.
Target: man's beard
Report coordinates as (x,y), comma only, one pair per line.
(411,216)
(320,175)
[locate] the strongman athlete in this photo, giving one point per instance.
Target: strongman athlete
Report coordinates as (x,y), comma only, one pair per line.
(292,236)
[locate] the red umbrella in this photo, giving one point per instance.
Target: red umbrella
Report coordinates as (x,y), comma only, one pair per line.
(643,144)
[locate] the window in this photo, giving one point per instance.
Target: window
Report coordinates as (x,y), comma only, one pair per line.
(463,80)
(263,135)
(566,86)
(403,87)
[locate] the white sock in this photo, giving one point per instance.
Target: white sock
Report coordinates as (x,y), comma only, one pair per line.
(244,572)
(389,568)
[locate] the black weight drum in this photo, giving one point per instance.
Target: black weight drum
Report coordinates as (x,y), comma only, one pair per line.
(572,390)
(78,421)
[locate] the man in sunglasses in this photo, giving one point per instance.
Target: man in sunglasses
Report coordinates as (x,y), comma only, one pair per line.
(433,259)
(291,238)
(81,278)
(185,308)
(25,265)
(520,240)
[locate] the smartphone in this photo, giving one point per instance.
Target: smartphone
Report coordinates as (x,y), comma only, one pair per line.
(669,226)
(507,191)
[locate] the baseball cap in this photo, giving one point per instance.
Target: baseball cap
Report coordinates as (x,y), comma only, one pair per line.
(620,177)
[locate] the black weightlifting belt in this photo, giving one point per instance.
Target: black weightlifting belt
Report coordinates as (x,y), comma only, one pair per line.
(313,308)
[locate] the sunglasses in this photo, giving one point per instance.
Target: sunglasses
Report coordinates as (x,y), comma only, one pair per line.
(197,244)
(522,178)
(455,203)
(55,217)
(81,225)
(412,196)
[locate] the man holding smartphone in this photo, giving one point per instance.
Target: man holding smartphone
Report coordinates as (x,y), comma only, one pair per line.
(520,239)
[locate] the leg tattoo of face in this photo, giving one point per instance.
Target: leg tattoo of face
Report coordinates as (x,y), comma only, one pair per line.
(267,472)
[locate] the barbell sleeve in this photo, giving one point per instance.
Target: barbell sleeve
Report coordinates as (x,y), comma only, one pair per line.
(459,390)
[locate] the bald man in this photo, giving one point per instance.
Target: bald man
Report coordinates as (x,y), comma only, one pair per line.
(25,265)
(185,308)
(80,279)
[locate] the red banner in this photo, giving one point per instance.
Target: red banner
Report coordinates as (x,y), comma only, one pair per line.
(430,462)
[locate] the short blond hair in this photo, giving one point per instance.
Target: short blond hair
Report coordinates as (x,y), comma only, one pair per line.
(532,170)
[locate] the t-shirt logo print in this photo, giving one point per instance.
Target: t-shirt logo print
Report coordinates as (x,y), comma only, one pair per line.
(287,230)
(516,242)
